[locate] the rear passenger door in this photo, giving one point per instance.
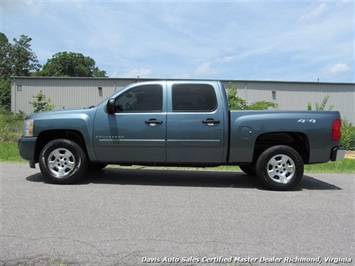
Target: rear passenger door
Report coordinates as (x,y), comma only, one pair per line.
(195,132)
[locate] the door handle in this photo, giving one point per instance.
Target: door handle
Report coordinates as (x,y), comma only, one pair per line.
(210,121)
(153,121)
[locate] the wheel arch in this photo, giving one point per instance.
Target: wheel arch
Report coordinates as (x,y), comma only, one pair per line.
(296,140)
(47,136)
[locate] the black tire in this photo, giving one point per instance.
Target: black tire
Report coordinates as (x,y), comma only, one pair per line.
(62,161)
(280,168)
(96,166)
(249,169)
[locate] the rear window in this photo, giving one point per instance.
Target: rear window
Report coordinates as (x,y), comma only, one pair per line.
(194,98)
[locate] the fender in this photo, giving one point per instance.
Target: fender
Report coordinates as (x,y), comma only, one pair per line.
(79,120)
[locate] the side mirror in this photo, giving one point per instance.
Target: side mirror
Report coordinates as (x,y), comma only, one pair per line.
(110,106)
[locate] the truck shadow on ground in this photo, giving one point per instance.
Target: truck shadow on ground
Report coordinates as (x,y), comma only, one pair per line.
(184,178)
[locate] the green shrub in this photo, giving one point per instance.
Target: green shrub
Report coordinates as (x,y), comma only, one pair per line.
(320,106)
(11,128)
(41,103)
(348,135)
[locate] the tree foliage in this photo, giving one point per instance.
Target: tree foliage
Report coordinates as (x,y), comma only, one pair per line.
(5,71)
(5,49)
(17,59)
(64,64)
(41,103)
(237,103)
(23,60)
(5,93)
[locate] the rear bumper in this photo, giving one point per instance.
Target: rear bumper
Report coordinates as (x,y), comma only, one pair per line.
(338,154)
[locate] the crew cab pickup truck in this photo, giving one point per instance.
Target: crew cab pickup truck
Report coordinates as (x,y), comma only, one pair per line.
(180,123)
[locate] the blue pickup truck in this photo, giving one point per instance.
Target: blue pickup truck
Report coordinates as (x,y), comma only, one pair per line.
(180,123)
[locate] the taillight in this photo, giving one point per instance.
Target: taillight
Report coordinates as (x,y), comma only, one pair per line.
(336,130)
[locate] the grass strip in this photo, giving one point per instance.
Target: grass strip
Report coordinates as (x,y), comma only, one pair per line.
(9,152)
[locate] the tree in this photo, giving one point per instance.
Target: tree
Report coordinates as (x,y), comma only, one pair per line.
(23,60)
(237,103)
(15,60)
(5,93)
(41,103)
(71,65)
(5,71)
(320,107)
(5,64)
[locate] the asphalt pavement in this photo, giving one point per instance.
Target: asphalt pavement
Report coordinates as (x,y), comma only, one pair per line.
(122,216)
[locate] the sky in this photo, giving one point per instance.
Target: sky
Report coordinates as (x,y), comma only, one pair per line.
(223,40)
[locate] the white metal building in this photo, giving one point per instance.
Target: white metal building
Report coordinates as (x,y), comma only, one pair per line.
(70,92)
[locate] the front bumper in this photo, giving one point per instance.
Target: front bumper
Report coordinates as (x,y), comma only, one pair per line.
(26,147)
(338,154)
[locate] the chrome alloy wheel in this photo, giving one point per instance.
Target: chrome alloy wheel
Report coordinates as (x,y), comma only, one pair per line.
(281,168)
(61,162)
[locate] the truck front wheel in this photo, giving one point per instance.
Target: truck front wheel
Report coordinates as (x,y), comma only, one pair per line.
(280,168)
(62,161)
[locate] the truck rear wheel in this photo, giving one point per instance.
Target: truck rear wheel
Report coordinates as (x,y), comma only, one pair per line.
(280,168)
(62,161)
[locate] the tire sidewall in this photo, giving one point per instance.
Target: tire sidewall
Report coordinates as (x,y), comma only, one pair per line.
(78,153)
(261,167)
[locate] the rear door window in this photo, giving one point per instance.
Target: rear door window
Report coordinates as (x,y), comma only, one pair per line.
(193,98)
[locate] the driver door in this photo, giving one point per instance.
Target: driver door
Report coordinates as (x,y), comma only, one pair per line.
(136,131)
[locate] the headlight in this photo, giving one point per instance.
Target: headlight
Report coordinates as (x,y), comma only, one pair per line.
(29,128)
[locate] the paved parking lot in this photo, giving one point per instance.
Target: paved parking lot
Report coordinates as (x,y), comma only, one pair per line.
(129,217)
